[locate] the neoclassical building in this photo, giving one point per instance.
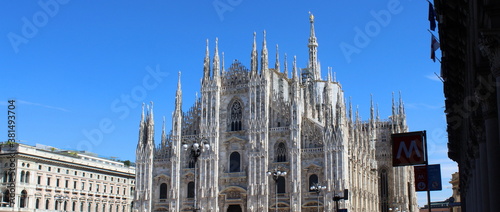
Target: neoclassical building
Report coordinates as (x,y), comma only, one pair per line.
(43,178)
(259,119)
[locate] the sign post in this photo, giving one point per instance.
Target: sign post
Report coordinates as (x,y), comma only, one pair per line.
(408,149)
(411,149)
(428,178)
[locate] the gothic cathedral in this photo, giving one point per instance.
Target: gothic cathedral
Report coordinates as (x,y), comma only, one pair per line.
(259,140)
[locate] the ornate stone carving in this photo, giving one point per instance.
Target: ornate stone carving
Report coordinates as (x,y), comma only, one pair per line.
(489,44)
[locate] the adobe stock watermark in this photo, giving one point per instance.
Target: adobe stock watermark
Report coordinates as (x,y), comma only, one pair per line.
(122,106)
(363,36)
(30,27)
(222,6)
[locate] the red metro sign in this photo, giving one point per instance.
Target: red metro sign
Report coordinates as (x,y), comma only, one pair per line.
(408,148)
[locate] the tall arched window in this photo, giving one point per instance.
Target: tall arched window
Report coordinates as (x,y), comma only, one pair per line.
(21,179)
(5,176)
(281,185)
(27,177)
(280,152)
(236,114)
(11,177)
(37,203)
(191,162)
(384,191)
(190,191)
(313,180)
(6,194)
(22,200)
(47,202)
(234,162)
(163,191)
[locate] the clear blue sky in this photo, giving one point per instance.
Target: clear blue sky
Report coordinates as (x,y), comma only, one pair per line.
(77,69)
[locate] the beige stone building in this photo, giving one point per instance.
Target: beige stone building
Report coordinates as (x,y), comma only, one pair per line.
(43,178)
(290,123)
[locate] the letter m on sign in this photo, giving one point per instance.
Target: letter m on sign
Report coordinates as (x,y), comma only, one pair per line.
(408,148)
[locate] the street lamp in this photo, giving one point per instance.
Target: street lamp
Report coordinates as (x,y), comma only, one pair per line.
(317,188)
(196,147)
(276,173)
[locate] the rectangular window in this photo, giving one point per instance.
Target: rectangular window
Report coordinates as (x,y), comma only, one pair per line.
(39,180)
(90,186)
(104,188)
(66,184)
(83,185)
(48,180)
(57,182)
(74,184)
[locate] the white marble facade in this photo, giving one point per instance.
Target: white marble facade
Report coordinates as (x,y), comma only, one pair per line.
(258,119)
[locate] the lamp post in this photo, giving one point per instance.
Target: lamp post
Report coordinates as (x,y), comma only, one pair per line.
(196,147)
(317,188)
(276,173)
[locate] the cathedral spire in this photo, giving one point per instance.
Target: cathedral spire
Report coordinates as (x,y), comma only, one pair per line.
(372,109)
(216,67)
(401,105)
(264,63)
(313,51)
(163,133)
(338,108)
(393,107)
(253,68)
(223,69)
(141,130)
(350,109)
(294,69)
(142,115)
(178,95)
(206,65)
(378,114)
(329,74)
(277,63)
(150,117)
(286,67)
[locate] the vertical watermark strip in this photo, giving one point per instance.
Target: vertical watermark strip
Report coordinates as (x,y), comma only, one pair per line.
(11,133)
(11,121)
